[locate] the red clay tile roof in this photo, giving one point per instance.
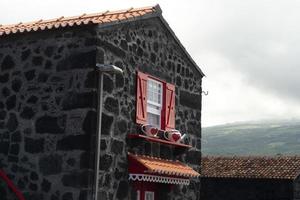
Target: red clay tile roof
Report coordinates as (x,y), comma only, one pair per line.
(164,167)
(277,167)
(108,17)
(98,18)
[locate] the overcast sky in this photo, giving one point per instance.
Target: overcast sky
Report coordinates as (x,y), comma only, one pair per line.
(249,50)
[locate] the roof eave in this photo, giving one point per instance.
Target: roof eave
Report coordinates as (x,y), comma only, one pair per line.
(180,44)
(158,13)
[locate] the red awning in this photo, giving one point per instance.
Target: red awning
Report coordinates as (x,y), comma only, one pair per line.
(151,169)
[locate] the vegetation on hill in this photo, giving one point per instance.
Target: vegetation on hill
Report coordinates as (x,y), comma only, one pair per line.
(252,138)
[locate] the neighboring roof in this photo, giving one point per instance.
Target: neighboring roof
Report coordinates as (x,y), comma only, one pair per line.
(84,19)
(163,167)
(277,167)
(104,18)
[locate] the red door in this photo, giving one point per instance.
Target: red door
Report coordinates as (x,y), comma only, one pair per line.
(145,191)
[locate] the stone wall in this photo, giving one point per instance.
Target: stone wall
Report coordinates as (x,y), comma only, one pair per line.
(146,46)
(48,108)
(297,188)
(47,112)
(246,189)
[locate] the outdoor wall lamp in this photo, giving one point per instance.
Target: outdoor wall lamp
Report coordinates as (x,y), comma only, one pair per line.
(110,69)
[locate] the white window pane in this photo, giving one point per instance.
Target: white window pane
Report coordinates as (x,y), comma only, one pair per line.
(149,195)
(153,119)
(153,109)
(154,102)
(154,90)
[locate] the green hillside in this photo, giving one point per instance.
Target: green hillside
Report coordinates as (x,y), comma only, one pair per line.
(253,138)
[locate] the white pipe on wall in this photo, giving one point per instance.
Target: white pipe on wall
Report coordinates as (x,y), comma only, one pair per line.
(102,68)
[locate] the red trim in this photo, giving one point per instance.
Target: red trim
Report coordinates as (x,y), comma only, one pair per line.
(141,98)
(10,184)
(135,167)
(163,109)
(169,108)
(153,139)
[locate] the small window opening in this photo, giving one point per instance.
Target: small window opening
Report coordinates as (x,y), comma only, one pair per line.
(149,195)
(154,102)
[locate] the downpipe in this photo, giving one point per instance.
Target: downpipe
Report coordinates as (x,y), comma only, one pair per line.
(102,68)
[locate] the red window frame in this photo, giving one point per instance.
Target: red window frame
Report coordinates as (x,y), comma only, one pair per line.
(168,102)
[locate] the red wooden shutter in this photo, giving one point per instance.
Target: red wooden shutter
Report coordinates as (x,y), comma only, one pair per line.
(141,98)
(169,106)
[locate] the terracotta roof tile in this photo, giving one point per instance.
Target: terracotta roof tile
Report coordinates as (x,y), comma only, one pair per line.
(165,167)
(277,167)
(84,19)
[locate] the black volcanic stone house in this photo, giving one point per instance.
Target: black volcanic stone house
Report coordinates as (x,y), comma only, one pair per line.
(249,178)
(49,104)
